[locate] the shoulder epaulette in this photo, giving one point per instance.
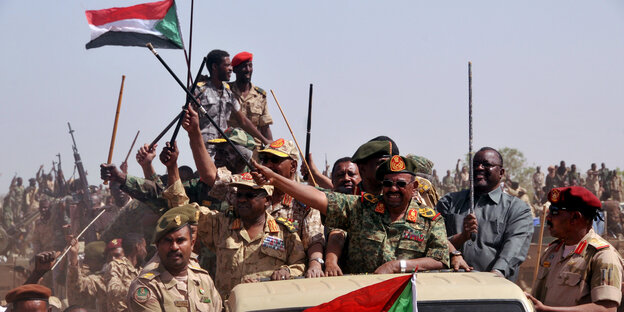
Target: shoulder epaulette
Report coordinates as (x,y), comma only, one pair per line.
(597,243)
(201,84)
(428,213)
(368,197)
(424,185)
(236,224)
(291,228)
(259,90)
(196,268)
(226,85)
(149,275)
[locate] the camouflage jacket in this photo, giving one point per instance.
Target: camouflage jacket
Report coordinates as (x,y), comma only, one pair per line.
(307,221)
(84,289)
(375,240)
(120,274)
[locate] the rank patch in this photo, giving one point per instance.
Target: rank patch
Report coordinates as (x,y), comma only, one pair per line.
(273,227)
(380,208)
(142,294)
(412,215)
(236,224)
(273,242)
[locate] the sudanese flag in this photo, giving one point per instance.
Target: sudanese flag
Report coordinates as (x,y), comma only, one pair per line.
(155,22)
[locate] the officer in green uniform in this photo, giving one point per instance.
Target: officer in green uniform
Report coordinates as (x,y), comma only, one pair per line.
(176,284)
(389,233)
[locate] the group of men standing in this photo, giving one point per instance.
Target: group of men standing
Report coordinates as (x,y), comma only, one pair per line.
(245,218)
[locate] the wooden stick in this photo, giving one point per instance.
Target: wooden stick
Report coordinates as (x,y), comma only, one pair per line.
(131,146)
(112,143)
(294,138)
(539,246)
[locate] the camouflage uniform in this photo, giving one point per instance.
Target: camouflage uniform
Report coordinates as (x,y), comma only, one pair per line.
(83,287)
(375,240)
(158,290)
(591,273)
(307,221)
(120,275)
(238,255)
(219,103)
(254,106)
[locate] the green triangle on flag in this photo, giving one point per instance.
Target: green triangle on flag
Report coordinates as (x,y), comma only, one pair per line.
(170,27)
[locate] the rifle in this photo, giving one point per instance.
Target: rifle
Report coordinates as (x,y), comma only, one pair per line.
(84,185)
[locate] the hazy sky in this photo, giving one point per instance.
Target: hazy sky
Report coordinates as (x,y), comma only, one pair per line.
(547,78)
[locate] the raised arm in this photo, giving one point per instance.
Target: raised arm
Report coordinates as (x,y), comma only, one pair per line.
(205,166)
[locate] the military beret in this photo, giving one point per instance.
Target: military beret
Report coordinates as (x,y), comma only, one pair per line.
(396,164)
(247,180)
(282,148)
(95,250)
(241,57)
(238,136)
(114,243)
(574,198)
(373,148)
(172,220)
(28,292)
(423,165)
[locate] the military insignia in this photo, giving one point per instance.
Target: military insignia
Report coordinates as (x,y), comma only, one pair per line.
(206,203)
(554,196)
(423,185)
(142,294)
(226,85)
(370,198)
(181,303)
(291,228)
(606,276)
(177,220)
(246,176)
(546,264)
(274,243)
(412,215)
(277,144)
(580,247)
(201,291)
(273,228)
(114,241)
(205,299)
(380,208)
(147,275)
(260,90)
(287,200)
(598,243)
(397,163)
(427,212)
(236,224)
(413,235)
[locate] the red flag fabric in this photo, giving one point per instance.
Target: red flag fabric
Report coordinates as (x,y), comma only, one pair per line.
(374,298)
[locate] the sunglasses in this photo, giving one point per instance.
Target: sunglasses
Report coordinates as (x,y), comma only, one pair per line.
(554,210)
(248,195)
(399,183)
(270,159)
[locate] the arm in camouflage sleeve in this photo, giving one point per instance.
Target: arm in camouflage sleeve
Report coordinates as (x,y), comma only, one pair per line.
(296,254)
(146,191)
(437,245)
(116,291)
(81,285)
(175,195)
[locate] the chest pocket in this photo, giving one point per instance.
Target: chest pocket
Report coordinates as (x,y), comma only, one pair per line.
(227,250)
(495,230)
(569,279)
(411,245)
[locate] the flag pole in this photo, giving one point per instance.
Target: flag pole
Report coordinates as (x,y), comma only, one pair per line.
(189,81)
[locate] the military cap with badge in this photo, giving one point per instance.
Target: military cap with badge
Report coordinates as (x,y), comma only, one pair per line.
(282,148)
(374,149)
(172,220)
(575,198)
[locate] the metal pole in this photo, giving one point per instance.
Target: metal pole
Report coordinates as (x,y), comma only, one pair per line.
(473,236)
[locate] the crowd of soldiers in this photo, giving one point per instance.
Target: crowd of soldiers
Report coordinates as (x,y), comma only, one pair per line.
(186,238)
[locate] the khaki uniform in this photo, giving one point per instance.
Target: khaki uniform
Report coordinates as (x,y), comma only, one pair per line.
(427,193)
(120,275)
(158,290)
(84,289)
(592,272)
(307,221)
(254,106)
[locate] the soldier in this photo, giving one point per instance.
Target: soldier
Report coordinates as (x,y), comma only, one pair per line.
(538,182)
(615,183)
(390,233)
(29,297)
(504,222)
(85,283)
(561,175)
(30,197)
(447,183)
(592,183)
(217,98)
(175,284)
(550,178)
(13,210)
(124,270)
(43,227)
(579,271)
(114,250)
(574,177)
(604,175)
(281,156)
(251,98)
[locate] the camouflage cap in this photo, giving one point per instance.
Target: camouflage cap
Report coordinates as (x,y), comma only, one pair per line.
(95,250)
(396,164)
(247,180)
(172,220)
(423,165)
(282,148)
(373,148)
(238,136)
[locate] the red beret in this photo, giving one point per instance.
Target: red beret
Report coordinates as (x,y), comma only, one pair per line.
(115,243)
(28,292)
(241,57)
(574,197)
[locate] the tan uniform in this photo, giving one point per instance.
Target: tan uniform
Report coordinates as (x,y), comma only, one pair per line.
(254,106)
(158,290)
(307,221)
(427,194)
(592,272)
(120,275)
(84,289)
(240,256)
